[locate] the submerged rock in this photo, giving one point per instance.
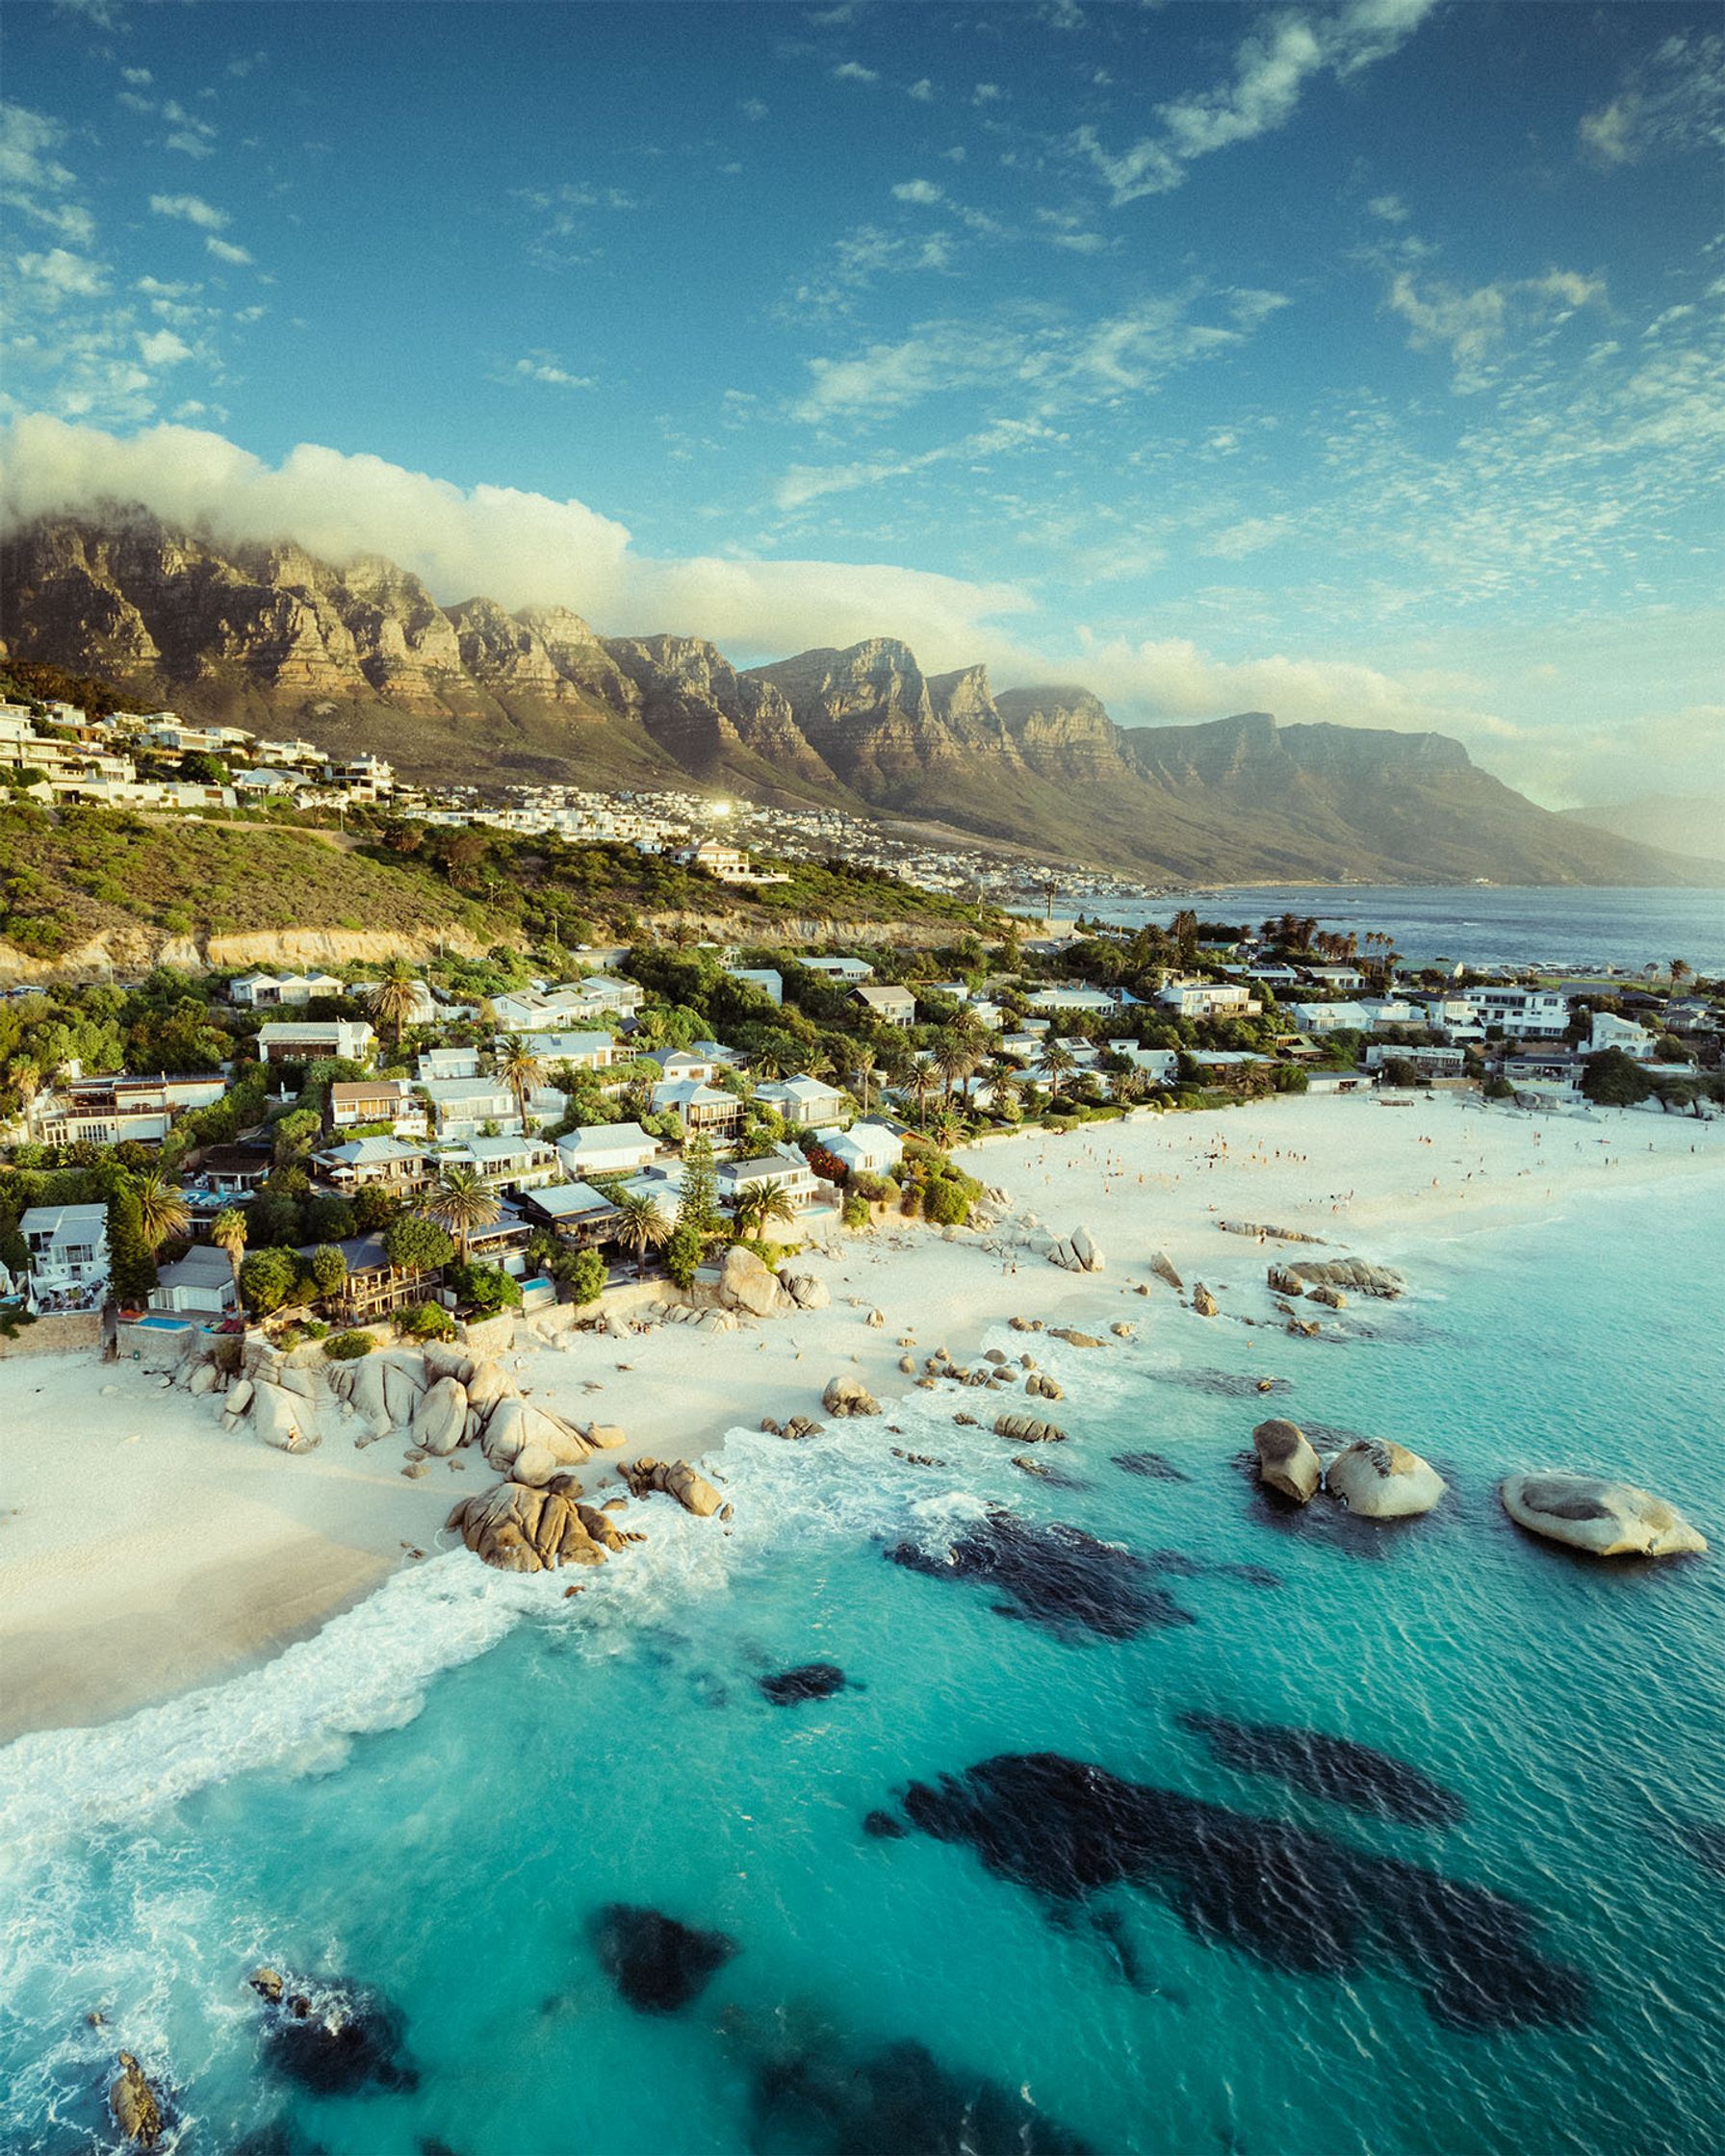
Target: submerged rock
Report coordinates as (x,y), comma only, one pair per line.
(898,2101)
(1293,1899)
(812,1681)
(1331,1767)
(1203,1301)
(658,1964)
(136,2107)
(1379,1481)
(1056,1576)
(333,2038)
(1287,1462)
(1152,1466)
(1605,1519)
(1028,1430)
(882,1826)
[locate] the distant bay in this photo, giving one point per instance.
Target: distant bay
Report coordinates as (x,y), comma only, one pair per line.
(1564,926)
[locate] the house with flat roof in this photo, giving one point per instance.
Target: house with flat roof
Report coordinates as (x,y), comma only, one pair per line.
(1191,998)
(766,977)
(575,1212)
(1330,1018)
(308,1039)
(607,1149)
(378,1100)
(276,991)
(462,1107)
(505,1162)
(838,968)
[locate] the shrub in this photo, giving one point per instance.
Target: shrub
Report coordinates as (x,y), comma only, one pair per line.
(855,1210)
(947,1203)
(584,1275)
(682,1252)
(484,1288)
(425,1320)
(266,1279)
(347,1347)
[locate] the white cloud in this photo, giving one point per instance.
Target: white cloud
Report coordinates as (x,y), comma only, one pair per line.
(987,94)
(1671,102)
(139,77)
(1390,208)
(917,191)
(752,108)
(520,548)
(922,90)
(65,275)
(1475,326)
(224,250)
(191,209)
(1273,66)
(32,181)
(161,348)
(1251,536)
(193,144)
(542,366)
(853,71)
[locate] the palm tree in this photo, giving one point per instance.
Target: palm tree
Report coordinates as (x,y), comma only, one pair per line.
(863,1062)
(1054,1063)
(227,1231)
(1680,973)
(760,1205)
(26,1077)
(1008,1087)
(395,996)
(640,1224)
(521,1070)
(955,1059)
(460,1201)
(921,1083)
(817,1063)
(162,1209)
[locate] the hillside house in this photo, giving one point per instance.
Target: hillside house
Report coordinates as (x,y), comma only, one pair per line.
(384,1161)
(767,980)
(888,1006)
(1190,998)
(277,991)
(378,1100)
(848,971)
(805,1102)
(200,1285)
(787,1171)
(867,1148)
(512,1164)
(705,1111)
(607,1149)
(69,1255)
(309,1040)
(575,1212)
(105,1110)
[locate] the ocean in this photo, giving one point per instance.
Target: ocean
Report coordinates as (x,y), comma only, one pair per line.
(1483,925)
(1035,1877)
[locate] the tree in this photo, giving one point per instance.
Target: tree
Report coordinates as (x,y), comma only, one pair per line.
(163,1213)
(394,997)
(484,1288)
(698,1197)
(27,1083)
(863,1062)
(267,1280)
(1612,1079)
(1680,973)
(521,1070)
(461,1201)
(414,1244)
(1055,1063)
(955,1059)
(227,1231)
(684,1249)
(640,1224)
(328,1269)
(132,1263)
(585,1276)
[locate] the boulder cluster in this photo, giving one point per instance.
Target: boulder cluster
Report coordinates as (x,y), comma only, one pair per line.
(1374,1479)
(1077,1252)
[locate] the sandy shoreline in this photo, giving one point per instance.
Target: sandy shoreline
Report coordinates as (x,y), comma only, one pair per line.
(144,1552)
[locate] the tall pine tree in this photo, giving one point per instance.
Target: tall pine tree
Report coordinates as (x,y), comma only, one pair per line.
(132,1265)
(698,1198)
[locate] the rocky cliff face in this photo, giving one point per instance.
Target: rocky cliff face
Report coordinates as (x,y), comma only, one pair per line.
(362,656)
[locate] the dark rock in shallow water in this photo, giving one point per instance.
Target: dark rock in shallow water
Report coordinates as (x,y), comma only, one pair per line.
(1182,1565)
(658,1964)
(1705,1842)
(898,2101)
(333,2038)
(884,1827)
(1331,1767)
(1152,1466)
(1290,1898)
(814,1680)
(1057,1576)
(1326,1527)
(1055,1478)
(1223,1384)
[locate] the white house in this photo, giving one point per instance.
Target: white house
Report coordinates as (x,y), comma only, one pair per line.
(607,1149)
(705,1109)
(462,1107)
(1160,1066)
(384,1160)
(1428,1057)
(787,1171)
(378,1100)
(104,1111)
(68,1253)
(583,1051)
(1062,1002)
(524,1162)
(1208,999)
(688,1065)
(270,992)
(1523,1013)
(1608,1031)
(890,1006)
(201,1284)
(1345,979)
(307,1040)
(848,970)
(1392,1011)
(1332,1018)
(867,1147)
(766,977)
(804,1102)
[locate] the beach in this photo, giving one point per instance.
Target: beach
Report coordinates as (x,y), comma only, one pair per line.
(145,1552)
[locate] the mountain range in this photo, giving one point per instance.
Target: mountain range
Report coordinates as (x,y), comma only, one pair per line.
(360,655)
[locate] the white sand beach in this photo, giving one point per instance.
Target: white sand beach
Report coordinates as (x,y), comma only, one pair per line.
(144,1551)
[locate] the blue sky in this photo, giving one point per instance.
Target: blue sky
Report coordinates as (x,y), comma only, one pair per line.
(1358,361)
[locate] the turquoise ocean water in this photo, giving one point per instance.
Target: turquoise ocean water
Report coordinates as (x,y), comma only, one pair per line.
(438,1796)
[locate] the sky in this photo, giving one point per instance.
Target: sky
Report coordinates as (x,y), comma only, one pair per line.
(1357,361)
